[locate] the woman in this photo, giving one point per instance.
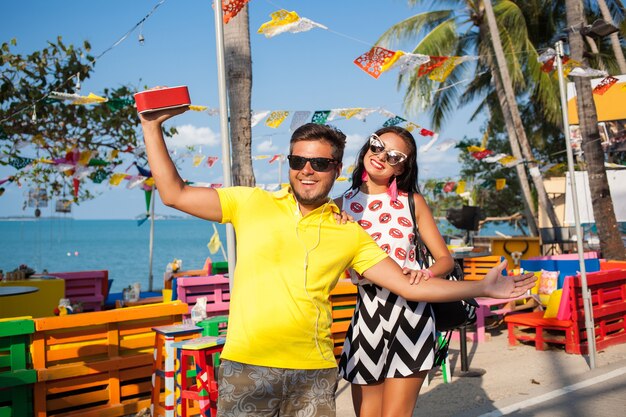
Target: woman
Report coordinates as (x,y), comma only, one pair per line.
(389,346)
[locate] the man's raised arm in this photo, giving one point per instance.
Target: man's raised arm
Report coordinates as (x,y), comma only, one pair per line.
(197,201)
(389,275)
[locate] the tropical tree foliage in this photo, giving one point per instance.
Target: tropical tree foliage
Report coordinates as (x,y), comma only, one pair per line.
(463,31)
(41,128)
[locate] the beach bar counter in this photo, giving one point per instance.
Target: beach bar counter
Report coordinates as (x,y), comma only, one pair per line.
(36,304)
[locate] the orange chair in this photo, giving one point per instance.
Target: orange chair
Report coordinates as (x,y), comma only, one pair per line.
(475,269)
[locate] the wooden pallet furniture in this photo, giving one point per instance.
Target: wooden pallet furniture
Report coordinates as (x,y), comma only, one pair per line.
(608,297)
(564,264)
(343,302)
(196,358)
(215,288)
(475,269)
(16,374)
(98,363)
(87,287)
(163,368)
(169,277)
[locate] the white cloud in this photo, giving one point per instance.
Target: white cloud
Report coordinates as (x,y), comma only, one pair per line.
(437,164)
(266,146)
(354,143)
(190,135)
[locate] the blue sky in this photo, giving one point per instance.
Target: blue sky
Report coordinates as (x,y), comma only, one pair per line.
(305,71)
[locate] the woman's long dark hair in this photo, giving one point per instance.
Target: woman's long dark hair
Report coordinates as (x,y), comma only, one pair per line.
(407,181)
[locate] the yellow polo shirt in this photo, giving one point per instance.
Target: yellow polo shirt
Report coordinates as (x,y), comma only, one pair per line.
(280,313)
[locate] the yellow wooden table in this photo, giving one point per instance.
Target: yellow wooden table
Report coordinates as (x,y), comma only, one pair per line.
(37,304)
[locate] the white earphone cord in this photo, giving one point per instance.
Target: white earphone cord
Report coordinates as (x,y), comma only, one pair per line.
(306,264)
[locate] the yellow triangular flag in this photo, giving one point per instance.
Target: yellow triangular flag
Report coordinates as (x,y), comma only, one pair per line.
(460,187)
(215,243)
(116,178)
(90,99)
(500,183)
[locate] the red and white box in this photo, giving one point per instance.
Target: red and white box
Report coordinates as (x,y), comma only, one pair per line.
(162,98)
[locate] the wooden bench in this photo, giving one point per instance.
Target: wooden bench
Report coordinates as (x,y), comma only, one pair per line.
(16,373)
(343,302)
(87,287)
(99,363)
(608,297)
(215,288)
(475,269)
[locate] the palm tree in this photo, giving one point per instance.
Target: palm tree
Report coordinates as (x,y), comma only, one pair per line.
(611,243)
(238,61)
(615,43)
(447,33)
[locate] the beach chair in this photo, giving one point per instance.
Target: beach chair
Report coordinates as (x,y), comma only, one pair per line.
(86,287)
(475,269)
(567,327)
(215,288)
(343,303)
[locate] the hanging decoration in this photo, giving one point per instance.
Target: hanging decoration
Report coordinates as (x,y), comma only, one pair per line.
(231,8)
(20,162)
(604,85)
(405,62)
(460,187)
(372,61)
(197,160)
(449,186)
(284,21)
(299,118)
(77,99)
(433,63)
(257,117)
(320,116)
(210,161)
(393,121)
(276,118)
(500,184)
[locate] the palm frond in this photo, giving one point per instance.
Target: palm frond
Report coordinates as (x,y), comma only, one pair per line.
(413,27)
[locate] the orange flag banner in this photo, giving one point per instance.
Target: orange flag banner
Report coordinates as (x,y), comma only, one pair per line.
(372,61)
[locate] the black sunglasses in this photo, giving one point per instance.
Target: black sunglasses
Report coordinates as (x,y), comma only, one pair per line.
(318,164)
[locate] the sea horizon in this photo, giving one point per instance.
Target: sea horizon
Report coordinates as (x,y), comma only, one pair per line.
(122,246)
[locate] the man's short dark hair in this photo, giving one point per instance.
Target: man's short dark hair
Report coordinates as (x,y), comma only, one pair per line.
(314,131)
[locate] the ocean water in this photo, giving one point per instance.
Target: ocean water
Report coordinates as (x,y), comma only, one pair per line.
(122,247)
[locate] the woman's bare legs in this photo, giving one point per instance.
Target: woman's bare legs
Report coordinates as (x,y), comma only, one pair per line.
(393,397)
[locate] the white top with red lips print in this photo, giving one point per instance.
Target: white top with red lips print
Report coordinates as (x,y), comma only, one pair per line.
(388,222)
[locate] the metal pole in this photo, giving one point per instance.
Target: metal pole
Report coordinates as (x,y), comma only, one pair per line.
(589,325)
(150,276)
(224,130)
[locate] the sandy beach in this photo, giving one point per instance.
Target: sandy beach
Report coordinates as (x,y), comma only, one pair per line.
(512,374)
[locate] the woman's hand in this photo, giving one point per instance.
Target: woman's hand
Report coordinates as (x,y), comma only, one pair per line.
(417,275)
(343,217)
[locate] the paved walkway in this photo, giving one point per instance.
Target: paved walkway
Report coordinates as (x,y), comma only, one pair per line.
(521,381)
(599,393)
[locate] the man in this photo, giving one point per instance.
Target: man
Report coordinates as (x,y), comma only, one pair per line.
(278,358)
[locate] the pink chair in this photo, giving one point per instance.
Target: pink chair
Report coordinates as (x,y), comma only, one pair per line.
(88,287)
(215,288)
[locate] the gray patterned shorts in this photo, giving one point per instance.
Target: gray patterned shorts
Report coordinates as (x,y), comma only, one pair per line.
(249,390)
